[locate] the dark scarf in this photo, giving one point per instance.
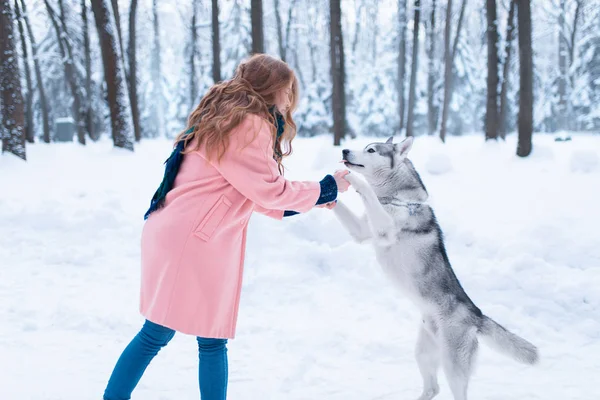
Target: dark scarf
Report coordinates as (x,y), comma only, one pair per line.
(173,163)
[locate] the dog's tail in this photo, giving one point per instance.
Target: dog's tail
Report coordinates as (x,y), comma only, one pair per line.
(499,338)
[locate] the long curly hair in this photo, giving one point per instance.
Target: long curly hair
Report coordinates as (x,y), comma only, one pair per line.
(252,90)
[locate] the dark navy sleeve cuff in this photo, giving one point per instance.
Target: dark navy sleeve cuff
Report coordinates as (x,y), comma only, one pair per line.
(289,213)
(329,190)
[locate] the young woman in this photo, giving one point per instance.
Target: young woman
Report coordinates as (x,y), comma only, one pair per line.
(225,165)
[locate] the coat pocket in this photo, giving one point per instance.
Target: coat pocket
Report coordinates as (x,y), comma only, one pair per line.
(213,218)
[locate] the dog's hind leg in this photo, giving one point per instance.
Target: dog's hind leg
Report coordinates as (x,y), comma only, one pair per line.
(459,349)
(427,353)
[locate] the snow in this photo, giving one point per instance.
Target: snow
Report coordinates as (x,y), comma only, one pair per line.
(65,120)
(584,161)
(318,320)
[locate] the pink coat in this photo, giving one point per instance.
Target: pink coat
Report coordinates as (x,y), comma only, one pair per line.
(193,248)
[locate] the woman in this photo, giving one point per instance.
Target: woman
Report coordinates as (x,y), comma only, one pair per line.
(226,165)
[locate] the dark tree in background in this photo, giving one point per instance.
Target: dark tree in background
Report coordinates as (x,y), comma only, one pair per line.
(13,111)
(256,16)
(132,72)
(510,28)
(216,42)
(526,79)
(29,134)
(401,59)
(449,55)
(66,54)
(491,113)
(38,77)
(431,76)
(121,126)
(413,71)
(87,95)
(338,97)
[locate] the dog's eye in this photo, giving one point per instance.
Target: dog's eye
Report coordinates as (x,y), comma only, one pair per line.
(371,151)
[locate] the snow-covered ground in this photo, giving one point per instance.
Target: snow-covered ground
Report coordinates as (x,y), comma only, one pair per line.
(317,320)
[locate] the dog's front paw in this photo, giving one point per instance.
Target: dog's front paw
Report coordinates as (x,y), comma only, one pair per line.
(356,182)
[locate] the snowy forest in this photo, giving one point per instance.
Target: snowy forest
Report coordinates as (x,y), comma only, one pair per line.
(129,71)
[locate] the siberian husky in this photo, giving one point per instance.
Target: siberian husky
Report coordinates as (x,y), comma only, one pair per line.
(409,246)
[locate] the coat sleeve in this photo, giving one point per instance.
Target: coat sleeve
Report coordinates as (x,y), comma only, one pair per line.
(248,165)
(275,214)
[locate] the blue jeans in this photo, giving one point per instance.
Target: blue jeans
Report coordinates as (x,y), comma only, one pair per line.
(212,371)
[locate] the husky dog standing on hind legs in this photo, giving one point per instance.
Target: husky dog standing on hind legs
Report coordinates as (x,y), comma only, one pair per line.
(409,246)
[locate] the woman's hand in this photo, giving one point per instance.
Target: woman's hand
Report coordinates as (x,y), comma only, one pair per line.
(328,206)
(342,183)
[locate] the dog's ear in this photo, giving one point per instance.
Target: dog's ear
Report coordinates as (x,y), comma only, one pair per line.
(390,140)
(404,147)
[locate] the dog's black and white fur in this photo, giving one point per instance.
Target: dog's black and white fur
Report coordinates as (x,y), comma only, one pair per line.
(409,246)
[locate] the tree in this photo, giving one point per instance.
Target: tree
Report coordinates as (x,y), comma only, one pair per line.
(158,103)
(216,43)
(87,97)
(132,73)
(120,113)
(66,53)
(11,98)
(256,16)
(192,59)
(431,108)
(401,59)
(283,41)
(449,55)
(562,68)
(338,97)
(491,114)
(38,77)
(526,79)
(115,8)
(510,27)
(29,131)
(413,71)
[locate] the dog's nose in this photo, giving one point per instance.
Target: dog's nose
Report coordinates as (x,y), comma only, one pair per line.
(345,152)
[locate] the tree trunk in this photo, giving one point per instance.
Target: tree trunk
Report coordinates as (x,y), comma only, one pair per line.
(449,54)
(13,112)
(431,109)
(120,114)
(574,32)
(29,131)
(279,31)
(89,116)
(216,42)
(401,59)
(562,68)
(526,79)
(312,38)
(256,16)
(358,25)
(338,97)
(132,78)
(510,27)
(193,44)
(38,77)
(413,72)
(297,67)
(289,25)
(115,8)
(491,114)
(374,11)
(157,106)
(66,53)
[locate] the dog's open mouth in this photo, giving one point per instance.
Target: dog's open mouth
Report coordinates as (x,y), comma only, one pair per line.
(352,164)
